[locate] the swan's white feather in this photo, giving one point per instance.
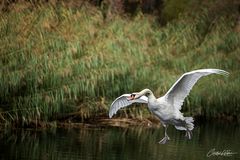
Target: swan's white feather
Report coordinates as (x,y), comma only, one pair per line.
(122,102)
(181,88)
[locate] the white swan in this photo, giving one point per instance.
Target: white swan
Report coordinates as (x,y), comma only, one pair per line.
(167,108)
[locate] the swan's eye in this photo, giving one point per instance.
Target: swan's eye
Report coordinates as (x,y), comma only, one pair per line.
(132,95)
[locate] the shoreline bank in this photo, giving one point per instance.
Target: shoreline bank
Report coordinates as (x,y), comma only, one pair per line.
(102,122)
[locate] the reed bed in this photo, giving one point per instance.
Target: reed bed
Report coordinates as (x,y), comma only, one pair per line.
(57,61)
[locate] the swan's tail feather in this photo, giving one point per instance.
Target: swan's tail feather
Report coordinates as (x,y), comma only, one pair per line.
(180,128)
(189,123)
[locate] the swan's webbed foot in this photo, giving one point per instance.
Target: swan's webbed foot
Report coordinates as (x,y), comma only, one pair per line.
(188,134)
(164,140)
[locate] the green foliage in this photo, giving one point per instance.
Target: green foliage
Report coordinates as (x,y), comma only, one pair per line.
(57,61)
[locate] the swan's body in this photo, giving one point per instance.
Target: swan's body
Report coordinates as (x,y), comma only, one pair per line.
(167,108)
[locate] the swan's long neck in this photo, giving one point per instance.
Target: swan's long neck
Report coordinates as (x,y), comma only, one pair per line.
(148,93)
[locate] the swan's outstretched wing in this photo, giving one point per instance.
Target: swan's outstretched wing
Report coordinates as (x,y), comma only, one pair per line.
(181,88)
(122,101)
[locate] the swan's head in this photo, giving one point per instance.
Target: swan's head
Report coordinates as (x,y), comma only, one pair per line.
(146,92)
(134,96)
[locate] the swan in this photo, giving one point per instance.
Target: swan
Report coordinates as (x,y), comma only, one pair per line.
(167,108)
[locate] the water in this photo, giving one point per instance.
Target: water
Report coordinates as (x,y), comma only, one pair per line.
(119,143)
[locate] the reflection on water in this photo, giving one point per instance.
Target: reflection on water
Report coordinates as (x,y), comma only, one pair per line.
(119,143)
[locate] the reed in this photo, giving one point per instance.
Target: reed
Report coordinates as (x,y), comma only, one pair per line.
(56,61)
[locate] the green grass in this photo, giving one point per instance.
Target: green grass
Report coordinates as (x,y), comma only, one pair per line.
(56,61)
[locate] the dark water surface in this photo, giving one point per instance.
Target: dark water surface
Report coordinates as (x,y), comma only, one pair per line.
(120,143)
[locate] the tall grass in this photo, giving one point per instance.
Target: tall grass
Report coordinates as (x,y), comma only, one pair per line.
(56,61)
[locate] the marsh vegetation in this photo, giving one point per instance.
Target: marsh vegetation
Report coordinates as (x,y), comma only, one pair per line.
(61,63)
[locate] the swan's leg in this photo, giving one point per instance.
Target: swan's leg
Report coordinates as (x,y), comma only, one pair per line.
(188,134)
(166,137)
